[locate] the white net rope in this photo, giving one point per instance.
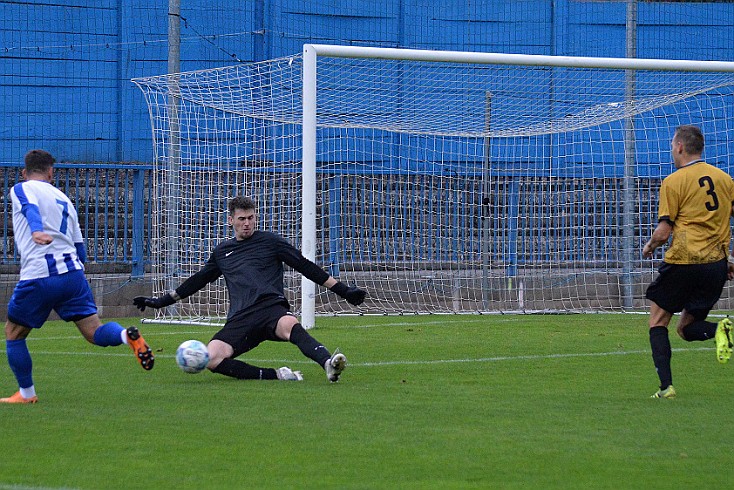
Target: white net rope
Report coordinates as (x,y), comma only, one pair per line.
(441,187)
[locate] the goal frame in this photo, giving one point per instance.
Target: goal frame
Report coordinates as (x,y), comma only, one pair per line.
(312,52)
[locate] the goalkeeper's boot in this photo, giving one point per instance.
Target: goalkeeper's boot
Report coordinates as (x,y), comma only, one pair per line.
(18,398)
(668,392)
(724,340)
(335,365)
(287,374)
(140,348)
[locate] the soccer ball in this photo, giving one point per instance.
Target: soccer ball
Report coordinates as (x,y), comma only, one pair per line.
(192,356)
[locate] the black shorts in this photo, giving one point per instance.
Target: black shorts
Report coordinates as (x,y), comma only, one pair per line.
(247,331)
(693,287)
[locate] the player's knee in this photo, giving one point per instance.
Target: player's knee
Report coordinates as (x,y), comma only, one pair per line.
(285,326)
(214,361)
(14,331)
(218,351)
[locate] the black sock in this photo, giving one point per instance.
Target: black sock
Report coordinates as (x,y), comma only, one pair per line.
(661,355)
(700,330)
(310,347)
(241,370)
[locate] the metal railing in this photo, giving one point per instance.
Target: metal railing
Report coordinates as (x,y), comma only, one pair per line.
(113,202)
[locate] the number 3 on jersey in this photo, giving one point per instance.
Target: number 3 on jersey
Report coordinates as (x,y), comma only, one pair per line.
(706,181)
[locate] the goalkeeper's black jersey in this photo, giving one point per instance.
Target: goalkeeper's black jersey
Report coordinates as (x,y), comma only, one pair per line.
(253,271)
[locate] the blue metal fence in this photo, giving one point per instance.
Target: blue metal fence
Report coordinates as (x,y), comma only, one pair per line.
(113,202)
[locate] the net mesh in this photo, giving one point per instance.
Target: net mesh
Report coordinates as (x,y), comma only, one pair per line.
(441,187)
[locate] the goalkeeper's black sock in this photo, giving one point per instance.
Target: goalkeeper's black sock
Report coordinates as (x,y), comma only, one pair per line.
(241,370)
(661,355)
(700,330)
(310,347)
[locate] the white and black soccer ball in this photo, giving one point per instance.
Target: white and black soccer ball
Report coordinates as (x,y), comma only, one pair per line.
(192,356)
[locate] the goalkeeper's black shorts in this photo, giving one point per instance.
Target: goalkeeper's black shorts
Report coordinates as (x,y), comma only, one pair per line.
(693,287)
(247,331)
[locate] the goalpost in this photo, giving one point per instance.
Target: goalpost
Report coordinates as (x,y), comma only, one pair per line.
(439,181)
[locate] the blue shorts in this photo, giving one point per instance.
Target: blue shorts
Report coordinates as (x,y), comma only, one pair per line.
(68,294)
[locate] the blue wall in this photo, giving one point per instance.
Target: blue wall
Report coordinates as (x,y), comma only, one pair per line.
(66,66)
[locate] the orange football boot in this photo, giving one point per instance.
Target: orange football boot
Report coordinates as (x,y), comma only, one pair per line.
(140,348)
(18,398)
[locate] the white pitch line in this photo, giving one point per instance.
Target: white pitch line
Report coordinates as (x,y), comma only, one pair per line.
(26,487)
(210,331)
(520,358)
(404,362)
(153,334)
(418,323)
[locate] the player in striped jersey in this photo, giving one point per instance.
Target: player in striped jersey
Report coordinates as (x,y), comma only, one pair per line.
(696,202)
(52,255)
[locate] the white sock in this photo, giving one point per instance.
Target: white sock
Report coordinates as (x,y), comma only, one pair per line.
(123,336)
(28,392)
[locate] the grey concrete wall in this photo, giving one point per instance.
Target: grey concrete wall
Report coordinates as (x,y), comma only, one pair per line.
(113,293)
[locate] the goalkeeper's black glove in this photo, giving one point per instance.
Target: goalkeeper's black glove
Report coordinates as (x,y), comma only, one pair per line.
(352,294)
(142,301)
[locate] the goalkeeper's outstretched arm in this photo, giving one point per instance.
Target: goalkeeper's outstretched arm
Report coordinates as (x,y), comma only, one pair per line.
(191,285)
(354,295)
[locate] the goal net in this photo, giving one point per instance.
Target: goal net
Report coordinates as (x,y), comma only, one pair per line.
(438,181)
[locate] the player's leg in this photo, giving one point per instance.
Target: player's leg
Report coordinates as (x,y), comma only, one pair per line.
(91,328)
(221,361)
(79,307)
(219,350)
(660,345)
(668,294)
(21,364)
(288,328)
(690,329)
(708,281)
(28,308)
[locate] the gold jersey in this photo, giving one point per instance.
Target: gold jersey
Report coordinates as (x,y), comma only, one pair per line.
(697,199)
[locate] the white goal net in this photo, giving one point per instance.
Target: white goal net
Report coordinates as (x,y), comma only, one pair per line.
(438,181)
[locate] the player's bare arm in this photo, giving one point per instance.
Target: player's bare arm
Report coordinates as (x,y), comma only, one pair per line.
(660,236)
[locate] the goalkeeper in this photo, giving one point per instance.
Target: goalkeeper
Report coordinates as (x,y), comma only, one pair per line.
(252,266)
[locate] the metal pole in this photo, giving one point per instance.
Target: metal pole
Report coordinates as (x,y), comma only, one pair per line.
(138,263)
(174,36)
(486,201)
(341,51)
(308,214)
(628,182)
(171,198)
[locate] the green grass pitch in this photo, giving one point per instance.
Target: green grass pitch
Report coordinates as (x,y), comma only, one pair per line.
(427,402)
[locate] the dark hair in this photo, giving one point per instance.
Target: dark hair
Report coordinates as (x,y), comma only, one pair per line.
(38,161)
(691,137)
(241,202)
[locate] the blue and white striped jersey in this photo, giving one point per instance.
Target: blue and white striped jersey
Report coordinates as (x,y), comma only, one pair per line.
(39,206)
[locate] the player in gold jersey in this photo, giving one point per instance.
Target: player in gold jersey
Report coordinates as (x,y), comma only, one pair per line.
(696,202)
